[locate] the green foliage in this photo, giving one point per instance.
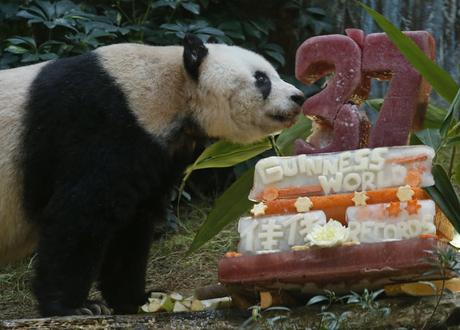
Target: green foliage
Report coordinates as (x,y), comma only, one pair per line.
(301,129)
(445,263)
(39,30)
(329,298)
(224,154)
(366,300)
(444,195)
(267,318)
(228,207)
(333,321)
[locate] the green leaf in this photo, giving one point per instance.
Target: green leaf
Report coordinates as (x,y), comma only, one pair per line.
(164,3)
(317,299)
(456,176)
(276,56)
(430,137)
(453,141)
(444,195)
(16,49)
(211,31)
(251,30)
(441,81)
(300,130)
(227,208)
(434,116)
(226,154)
(375,103)
(453,107)
(191,7)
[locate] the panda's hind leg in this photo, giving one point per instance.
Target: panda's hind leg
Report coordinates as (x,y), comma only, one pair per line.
(123,272)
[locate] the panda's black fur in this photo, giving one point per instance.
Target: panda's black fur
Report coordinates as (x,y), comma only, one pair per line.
(94,181)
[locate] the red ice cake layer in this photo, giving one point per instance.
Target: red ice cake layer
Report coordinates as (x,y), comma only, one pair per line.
(340,269)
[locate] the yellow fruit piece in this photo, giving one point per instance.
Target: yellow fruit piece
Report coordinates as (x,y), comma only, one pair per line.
(420,289)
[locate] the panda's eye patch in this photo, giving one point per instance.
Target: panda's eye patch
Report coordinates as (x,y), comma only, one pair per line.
(263,83)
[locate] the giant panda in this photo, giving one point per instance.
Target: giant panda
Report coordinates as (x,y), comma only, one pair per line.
(90,147)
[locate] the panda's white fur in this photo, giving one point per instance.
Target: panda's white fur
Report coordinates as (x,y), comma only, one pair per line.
(17,236)
(161,93)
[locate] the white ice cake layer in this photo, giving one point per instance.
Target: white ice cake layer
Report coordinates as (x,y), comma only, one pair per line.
(347,171)
(372,223)
(276,233)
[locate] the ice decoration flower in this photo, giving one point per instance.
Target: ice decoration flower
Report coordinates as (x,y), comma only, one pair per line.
(360,198)
(405,193)
(333,233)
(303,204)
(258,209)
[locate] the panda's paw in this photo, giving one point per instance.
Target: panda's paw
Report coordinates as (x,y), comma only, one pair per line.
(94,308)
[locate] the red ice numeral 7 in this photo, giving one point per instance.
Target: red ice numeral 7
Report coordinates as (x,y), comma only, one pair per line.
(408,93)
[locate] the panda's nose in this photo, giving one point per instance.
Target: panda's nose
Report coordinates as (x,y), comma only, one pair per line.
(298,98)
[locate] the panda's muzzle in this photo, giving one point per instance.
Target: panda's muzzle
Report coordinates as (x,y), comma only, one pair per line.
(285,116)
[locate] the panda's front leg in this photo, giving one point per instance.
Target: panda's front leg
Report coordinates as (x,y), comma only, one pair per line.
(123,271)
(76,228)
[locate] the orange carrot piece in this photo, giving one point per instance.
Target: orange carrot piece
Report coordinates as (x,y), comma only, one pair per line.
(405,160)
(413,178)
(293,192)
(269,193)
(232,254)
(335,205)
(428,236)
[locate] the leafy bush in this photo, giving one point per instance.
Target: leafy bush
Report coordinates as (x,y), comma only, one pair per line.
(39,30)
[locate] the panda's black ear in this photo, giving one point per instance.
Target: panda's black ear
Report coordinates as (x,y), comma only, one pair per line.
(194,53)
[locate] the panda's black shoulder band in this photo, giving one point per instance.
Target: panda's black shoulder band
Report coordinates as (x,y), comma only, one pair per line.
(194,53)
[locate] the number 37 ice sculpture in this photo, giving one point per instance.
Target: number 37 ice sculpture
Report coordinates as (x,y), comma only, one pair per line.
(356,58)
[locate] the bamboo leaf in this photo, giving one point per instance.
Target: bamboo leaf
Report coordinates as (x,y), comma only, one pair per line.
(434,116)
(453,141)
(226,154)
(301,129)
(444,129)
(227,208)
(430,137)
(441,81)
(456,176)
(444,195)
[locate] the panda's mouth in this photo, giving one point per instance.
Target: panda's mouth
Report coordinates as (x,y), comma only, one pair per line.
(284,117)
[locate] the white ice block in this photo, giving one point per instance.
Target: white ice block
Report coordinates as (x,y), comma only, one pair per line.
(372,223)
(276,233)
(347,171)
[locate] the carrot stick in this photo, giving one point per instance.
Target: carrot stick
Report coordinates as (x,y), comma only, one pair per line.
(293,192)
(272,193)
(405,160)
(335,205)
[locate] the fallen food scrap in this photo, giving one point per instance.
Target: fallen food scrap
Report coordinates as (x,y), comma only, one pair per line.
(175,302)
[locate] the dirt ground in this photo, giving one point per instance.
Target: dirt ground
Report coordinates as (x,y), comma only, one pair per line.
(168,268)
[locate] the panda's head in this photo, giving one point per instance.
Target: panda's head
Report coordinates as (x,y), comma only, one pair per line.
(236,94)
